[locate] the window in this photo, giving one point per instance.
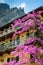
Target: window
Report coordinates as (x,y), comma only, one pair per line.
(8,59)
(17,37)
(41,56)
(32,58)
(27,30)
(2,45)
(12,59)
(10,40)
(38,43)
(42,14)
(2,60)
(18,40)
(17,58)
(27,35)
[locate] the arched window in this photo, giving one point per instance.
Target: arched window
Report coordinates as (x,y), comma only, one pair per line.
(32,58)
(27,35)
(12,59)
(17,58)
(18,40)
(8,59)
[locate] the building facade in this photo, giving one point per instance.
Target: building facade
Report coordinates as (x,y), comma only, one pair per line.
(15,34)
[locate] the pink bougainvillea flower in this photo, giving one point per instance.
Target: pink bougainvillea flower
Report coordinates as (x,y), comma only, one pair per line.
(33,23)
(40,12)
(41,51)
(4,63)
(30,40)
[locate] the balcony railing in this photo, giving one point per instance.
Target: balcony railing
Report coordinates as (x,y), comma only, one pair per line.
(2,47)
(14,43)
(19,27)
(7,46)
(9,31)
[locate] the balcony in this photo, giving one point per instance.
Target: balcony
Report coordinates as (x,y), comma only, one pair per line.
(5,32)
(2,47)
(15,43)
(9,30)
(7,46)
(18,27)
(1,33)
(12,44)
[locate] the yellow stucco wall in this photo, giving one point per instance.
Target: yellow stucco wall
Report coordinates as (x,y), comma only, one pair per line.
(22,39)
(6,41)
(5,56)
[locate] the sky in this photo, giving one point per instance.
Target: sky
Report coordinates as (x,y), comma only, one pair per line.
(28,5)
